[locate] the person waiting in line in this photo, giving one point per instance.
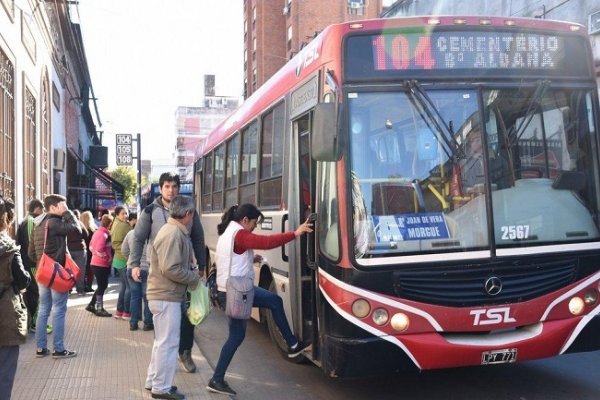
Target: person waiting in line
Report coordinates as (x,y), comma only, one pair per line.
(173,271)
(150,220)
(118,231)
(50,237)
(235,248)
(137,288)
(14,279)
(88,222)
(101,264)
(35,208)
(77,249)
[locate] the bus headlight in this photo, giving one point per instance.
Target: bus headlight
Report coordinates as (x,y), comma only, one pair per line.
(361,308)
(380,316)
(576,305)
(400,322)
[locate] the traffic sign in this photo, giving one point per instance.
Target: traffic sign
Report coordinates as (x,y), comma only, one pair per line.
(124,138)
(124,153)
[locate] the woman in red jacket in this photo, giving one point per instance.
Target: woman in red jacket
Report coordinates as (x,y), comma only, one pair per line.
(235,256)
(101,263)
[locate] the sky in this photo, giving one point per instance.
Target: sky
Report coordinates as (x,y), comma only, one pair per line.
(147,57)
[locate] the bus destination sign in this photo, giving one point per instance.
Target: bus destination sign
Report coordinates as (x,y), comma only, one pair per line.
(467,50)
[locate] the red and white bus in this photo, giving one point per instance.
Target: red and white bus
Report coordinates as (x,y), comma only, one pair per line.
(453,164)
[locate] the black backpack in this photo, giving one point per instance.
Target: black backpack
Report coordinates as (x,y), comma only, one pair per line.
(213,292)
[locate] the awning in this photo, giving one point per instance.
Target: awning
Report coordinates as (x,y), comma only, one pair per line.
(110,186)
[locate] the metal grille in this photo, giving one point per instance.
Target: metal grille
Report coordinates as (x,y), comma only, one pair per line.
(465,285)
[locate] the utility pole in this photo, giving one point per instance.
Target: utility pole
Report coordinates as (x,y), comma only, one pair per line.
(139,172)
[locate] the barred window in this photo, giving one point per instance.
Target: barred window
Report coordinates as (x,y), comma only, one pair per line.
(7,127)
(29,146)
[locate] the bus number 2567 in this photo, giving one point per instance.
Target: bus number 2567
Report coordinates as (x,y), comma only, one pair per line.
(512,232)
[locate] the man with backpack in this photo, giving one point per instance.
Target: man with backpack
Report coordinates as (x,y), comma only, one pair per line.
(35,208)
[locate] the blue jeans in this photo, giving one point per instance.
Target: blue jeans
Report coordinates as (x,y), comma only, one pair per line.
(138,294)
(9,356)
(50,299)
(124,299)
(237,328)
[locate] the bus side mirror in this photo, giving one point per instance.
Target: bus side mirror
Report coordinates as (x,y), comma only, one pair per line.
(324,140)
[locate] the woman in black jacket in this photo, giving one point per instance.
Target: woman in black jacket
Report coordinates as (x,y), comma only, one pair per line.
(13,280)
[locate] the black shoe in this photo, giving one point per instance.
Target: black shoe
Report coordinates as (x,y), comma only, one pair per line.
(88,289)
(187,362)
(297,349)
(133,327)
(64,354)
(171,395)
(42,353)
(173,388)
(222,388)
(91,308)
(148,327)
(103,313)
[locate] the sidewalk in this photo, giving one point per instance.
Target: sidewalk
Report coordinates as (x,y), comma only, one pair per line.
(111,361)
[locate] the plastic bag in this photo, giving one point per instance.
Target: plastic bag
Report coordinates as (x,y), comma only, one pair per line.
(199,304)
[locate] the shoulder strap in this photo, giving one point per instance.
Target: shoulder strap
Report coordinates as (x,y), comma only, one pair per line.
(30,226)
(45,235)
(149,209)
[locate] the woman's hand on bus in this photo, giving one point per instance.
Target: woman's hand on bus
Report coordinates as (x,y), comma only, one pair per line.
(306,227)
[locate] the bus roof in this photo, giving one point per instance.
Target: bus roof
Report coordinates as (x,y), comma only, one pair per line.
(327,47)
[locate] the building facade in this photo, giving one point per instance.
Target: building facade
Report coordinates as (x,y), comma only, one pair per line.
(194,124)
(275,30)
(49,142)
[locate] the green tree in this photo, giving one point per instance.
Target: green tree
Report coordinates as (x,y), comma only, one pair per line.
(127,177)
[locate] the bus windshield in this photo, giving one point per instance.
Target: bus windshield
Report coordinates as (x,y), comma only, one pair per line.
(472,169)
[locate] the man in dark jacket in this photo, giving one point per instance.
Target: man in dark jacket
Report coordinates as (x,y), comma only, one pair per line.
(50,237)
(77,249)
(24,234)
(149,222)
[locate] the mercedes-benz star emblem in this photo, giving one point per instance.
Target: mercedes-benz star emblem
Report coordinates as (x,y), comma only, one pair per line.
(493,286)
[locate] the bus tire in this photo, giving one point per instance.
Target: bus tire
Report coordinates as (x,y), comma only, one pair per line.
(276,335)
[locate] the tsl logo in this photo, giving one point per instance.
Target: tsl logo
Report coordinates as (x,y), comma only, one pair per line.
(308,55)
(492,316)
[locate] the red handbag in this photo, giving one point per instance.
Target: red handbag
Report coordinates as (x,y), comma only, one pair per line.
(53,275)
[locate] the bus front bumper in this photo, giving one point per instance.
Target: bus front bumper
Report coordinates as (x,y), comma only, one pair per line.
(380,355)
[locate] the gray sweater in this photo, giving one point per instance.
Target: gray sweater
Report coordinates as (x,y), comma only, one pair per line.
(149,222)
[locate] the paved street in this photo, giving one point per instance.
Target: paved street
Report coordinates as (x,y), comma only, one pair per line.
(112,364)
(111,361)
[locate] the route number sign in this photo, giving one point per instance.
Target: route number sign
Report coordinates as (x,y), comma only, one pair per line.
(124,153)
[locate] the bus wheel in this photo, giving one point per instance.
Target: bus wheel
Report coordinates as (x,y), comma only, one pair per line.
(276,335)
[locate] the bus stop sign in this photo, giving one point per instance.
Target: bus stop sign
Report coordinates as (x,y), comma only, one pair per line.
(124,153)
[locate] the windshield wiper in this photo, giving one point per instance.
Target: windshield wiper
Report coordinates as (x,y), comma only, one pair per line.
(530,113)
(421,100)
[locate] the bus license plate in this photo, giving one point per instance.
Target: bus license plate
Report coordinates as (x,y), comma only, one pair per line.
(499,356)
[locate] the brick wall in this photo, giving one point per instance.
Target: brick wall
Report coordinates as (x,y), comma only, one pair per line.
(306,17)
